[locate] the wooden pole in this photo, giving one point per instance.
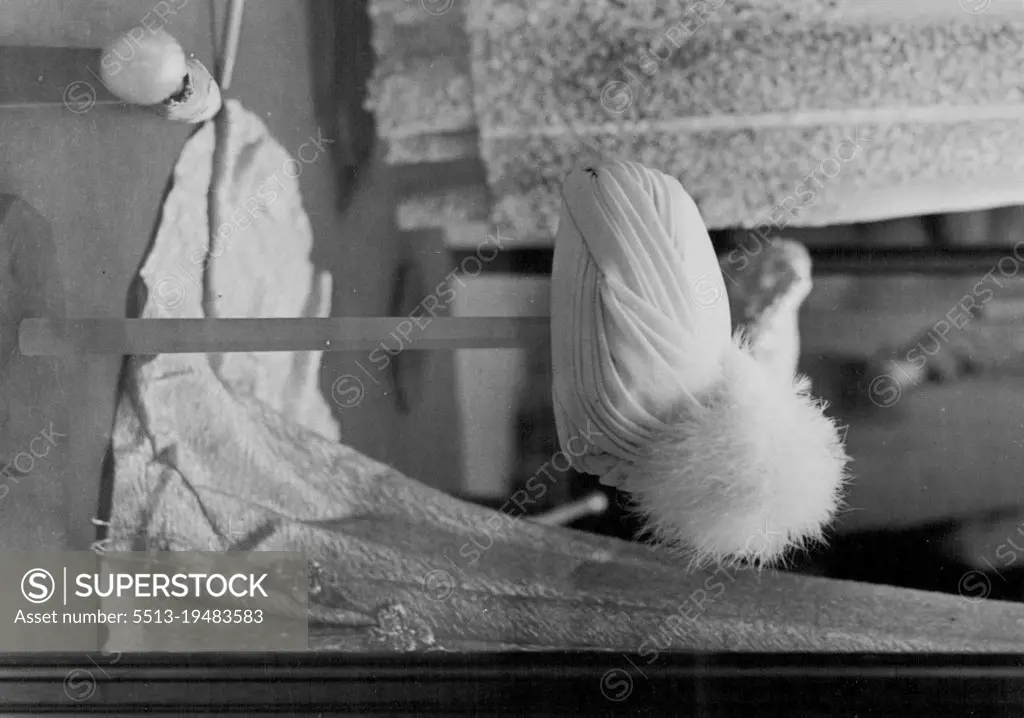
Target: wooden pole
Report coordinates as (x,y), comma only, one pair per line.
(67,337)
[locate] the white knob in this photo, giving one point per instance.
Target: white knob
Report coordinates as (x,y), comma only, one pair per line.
(143,67)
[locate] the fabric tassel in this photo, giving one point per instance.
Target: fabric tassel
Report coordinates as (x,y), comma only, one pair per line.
(721,455)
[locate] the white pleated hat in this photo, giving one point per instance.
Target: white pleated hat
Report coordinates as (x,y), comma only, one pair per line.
(654,394)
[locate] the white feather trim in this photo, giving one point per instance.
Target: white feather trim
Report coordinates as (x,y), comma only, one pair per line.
(757,471)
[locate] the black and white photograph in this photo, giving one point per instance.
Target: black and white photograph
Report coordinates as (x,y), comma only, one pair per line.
(512,357)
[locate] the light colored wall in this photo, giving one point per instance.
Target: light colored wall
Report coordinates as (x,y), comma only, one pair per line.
(490,381)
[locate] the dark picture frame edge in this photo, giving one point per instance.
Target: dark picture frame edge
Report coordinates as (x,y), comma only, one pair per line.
(587,683)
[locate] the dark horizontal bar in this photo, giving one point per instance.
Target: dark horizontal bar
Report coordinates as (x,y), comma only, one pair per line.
(529,683)
(824,261)
(950,262)
(508,261)
(428,177)
(52,76)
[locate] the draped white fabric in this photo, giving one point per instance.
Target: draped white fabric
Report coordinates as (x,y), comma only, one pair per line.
(640,317)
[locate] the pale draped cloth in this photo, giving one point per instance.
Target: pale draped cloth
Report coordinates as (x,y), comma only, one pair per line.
(640,317)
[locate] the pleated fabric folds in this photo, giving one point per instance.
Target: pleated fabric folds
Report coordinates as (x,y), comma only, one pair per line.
(653,393)
(641,317)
